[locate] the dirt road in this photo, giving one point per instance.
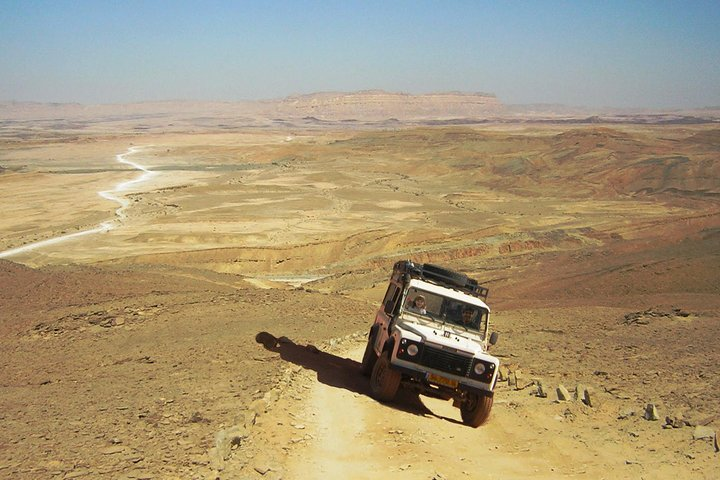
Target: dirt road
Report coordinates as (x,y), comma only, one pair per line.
(412,438)
(325,424)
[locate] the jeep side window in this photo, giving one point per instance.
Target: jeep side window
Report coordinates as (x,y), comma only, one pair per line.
(391,296)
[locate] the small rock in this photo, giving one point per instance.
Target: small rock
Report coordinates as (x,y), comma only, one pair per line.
(258,407)
(675,422)
(261,469)
(112,450)
(626,413)
(579,392)
(589,398)
(250,416)
(562,393)
(541,392)
(229,439)
(139,475)
(78,473)
(702,432)
(651,412)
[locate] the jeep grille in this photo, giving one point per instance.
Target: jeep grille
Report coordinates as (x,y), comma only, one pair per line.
(446,361)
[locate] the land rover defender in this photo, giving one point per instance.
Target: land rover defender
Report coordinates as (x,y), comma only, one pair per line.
(431,335)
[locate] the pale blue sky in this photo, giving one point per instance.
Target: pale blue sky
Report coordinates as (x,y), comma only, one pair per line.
(656,54)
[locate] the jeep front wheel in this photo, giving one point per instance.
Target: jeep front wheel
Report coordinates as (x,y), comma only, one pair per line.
(369,357)
(384,381)
(475,410)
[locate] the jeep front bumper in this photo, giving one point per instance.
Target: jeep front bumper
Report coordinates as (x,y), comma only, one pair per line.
(430,364)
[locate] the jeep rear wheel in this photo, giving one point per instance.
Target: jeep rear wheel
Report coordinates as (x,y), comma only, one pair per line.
(475,411)
(384,381)
(369,357)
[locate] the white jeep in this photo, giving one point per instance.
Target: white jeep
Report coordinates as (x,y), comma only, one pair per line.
(431,335)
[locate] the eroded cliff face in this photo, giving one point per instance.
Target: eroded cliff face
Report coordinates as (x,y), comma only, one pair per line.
(380,105)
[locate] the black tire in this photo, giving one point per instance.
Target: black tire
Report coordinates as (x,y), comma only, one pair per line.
(384,381)
(369,357)
(475,411)
(444,275)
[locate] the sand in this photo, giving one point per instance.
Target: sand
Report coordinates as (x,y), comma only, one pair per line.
(131,352)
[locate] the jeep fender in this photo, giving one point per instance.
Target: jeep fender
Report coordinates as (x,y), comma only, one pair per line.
(373,330)
(389,345)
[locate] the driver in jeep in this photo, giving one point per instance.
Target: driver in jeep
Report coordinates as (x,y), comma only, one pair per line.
(467,317)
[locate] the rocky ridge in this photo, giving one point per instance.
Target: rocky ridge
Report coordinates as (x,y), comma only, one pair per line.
(381,105)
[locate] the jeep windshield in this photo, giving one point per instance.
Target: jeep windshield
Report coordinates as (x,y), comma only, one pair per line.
(424,303)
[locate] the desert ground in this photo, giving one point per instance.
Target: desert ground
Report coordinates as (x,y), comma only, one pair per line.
(128,324)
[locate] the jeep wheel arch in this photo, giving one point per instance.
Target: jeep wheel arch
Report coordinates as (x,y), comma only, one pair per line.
(369,357)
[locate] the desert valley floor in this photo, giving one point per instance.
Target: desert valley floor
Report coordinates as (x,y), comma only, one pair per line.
(137,269)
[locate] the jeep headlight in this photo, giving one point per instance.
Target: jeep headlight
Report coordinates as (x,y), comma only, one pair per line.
(409,350)
(479,368)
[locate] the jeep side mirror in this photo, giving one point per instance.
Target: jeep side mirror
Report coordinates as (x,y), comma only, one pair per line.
(493,338)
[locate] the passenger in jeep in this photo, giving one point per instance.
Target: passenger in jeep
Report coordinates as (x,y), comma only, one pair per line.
(418,305)
(467,317)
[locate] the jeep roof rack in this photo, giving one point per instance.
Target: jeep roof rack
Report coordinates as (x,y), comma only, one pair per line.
(443,276)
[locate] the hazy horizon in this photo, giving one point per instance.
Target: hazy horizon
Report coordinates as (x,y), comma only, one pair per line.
(641,54)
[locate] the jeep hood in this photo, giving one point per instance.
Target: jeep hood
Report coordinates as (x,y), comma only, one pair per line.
(446,335)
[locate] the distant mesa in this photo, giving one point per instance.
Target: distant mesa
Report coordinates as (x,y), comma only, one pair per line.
(379,105)
(333,109)
(345,107)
